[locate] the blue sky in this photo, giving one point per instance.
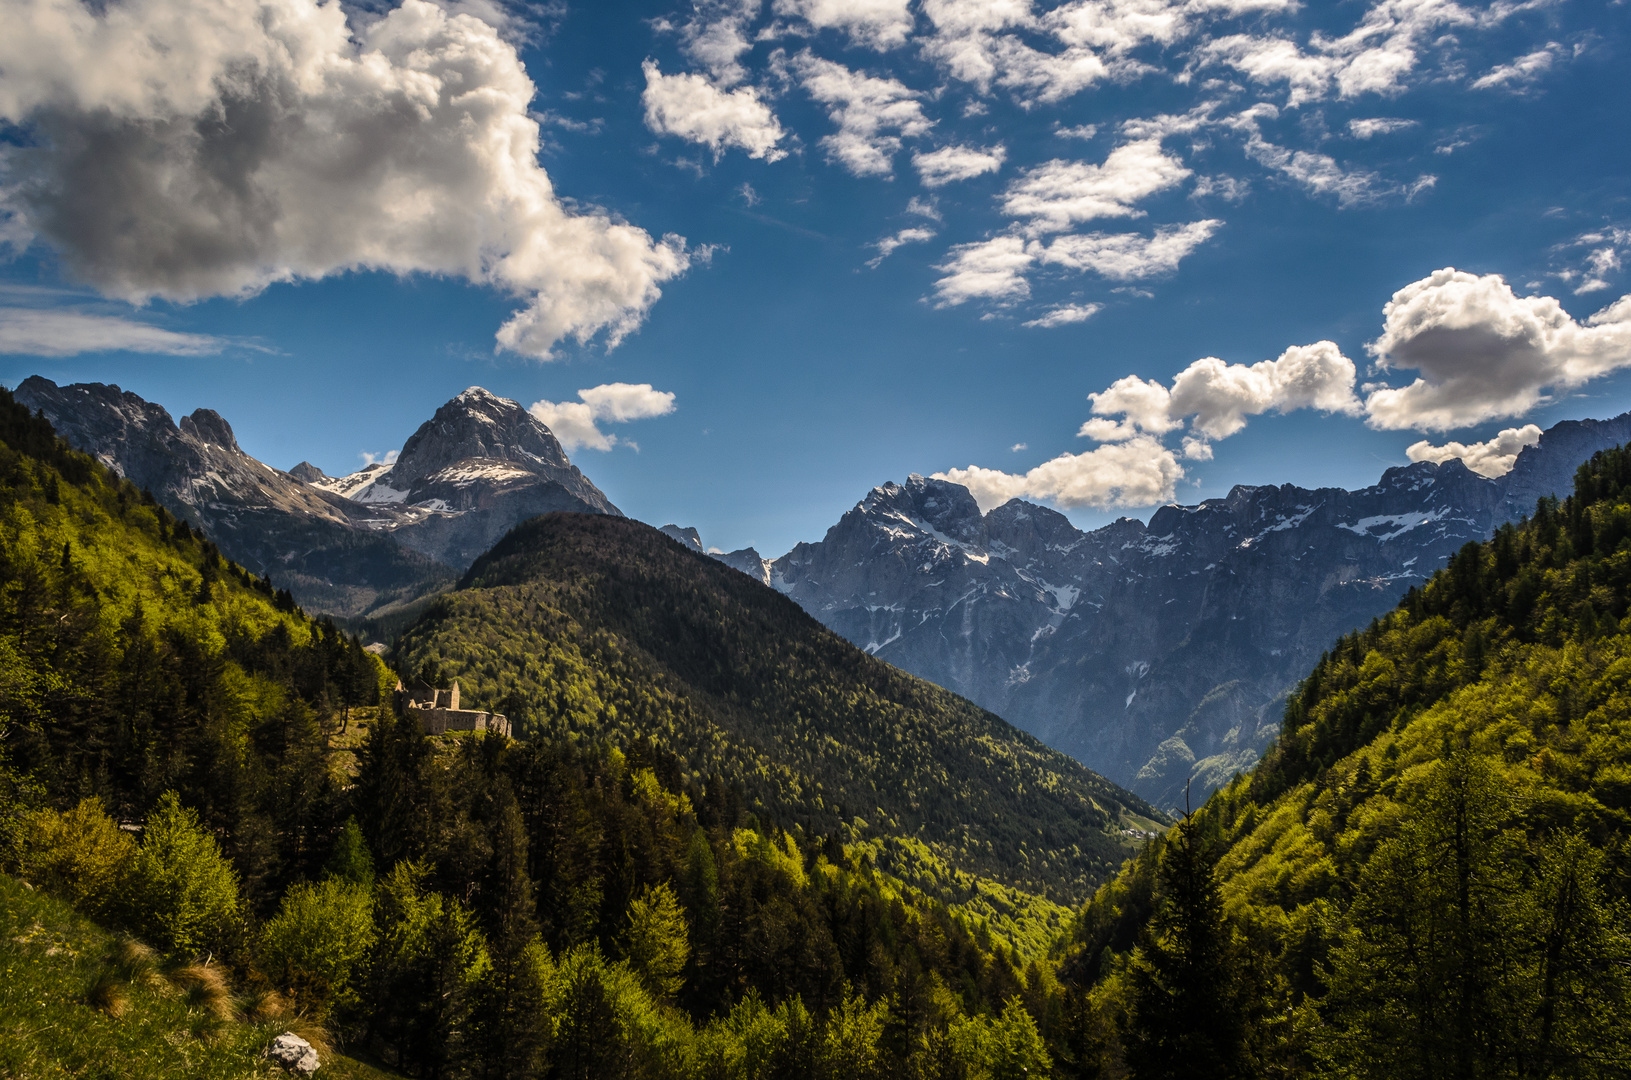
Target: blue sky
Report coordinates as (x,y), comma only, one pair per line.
(326,222)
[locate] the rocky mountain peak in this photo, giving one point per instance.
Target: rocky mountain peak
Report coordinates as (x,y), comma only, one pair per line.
(209,428)
(307,473)
(685,535)
(921,502)
(477,425)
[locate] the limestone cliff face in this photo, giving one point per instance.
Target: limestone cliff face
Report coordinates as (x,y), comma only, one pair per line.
(1156,653)
(344,545)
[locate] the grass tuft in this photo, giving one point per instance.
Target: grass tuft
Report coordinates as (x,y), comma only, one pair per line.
(107,994)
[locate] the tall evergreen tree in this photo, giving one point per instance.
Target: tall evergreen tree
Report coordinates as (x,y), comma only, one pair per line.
(1188,1014)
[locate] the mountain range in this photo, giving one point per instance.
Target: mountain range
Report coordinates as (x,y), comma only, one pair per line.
(1157,654)
(352,545)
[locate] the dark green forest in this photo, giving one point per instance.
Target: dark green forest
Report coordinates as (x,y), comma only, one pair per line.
(1427,876)
(584,627)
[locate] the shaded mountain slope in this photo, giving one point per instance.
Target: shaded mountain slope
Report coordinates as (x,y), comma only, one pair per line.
(592,627)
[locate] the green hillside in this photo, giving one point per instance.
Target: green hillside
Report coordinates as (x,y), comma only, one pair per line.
(188,760)
(585,627)
(1428,874)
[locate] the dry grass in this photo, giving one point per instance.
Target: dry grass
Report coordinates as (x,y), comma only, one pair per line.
(108,994)
(135,962)
(205,989)
(314,1033)
(262,1006)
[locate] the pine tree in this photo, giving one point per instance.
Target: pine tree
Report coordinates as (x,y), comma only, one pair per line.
(1187,1014)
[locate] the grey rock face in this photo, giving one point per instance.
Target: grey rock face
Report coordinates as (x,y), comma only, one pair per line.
(1155,654)
(344,545)
(685,535)
(294,1054)
(749,561)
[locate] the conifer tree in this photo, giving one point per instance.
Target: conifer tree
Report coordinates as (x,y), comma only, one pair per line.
(1187,1014)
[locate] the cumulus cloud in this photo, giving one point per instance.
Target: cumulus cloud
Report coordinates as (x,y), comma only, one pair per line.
(716,37)
(1207,401)
(1129,256)
(1137,472)
(1064,315)
(692,107)
(576,423)
(193,148)
(1482,352)
(876,24)
(1215,398)
(1377,57)
(872,114)
(996,269)
(57,332)
(949,164)
(991,269)
(887,246)
(1493,458)
(1060,194)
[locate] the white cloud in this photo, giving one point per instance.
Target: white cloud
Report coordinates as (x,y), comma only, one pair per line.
(193,148)
(1137,472)
(1270,60)
(886,247)
(696,110)
(1016,448)
(1064,315)
(923,208)
(1216,398)
(1605,256)
(47,332)
(876,24)
(388,458)
(872,114)
(1376,57)
(1320,173)
(1060,194)
(575,423)
(1483,353)
(1080,131)
(952,163)
(1128,256)
(716,36)
(986,270)
(1521,73)
(1227,188)
(1381,125)
(1493,458)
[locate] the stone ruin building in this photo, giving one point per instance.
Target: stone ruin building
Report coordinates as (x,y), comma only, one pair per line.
(438,710)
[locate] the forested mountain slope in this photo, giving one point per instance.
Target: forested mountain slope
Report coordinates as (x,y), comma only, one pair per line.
(591,627)
(1428,874)
(188,759)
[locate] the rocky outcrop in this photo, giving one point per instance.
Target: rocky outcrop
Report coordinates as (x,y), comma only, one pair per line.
(1159,653)
(293,1054)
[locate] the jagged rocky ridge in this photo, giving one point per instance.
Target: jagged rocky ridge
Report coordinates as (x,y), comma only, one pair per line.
(1156,654)
(747,560)
(350,545)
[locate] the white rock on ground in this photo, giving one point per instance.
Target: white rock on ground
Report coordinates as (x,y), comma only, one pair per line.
(293,1053)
